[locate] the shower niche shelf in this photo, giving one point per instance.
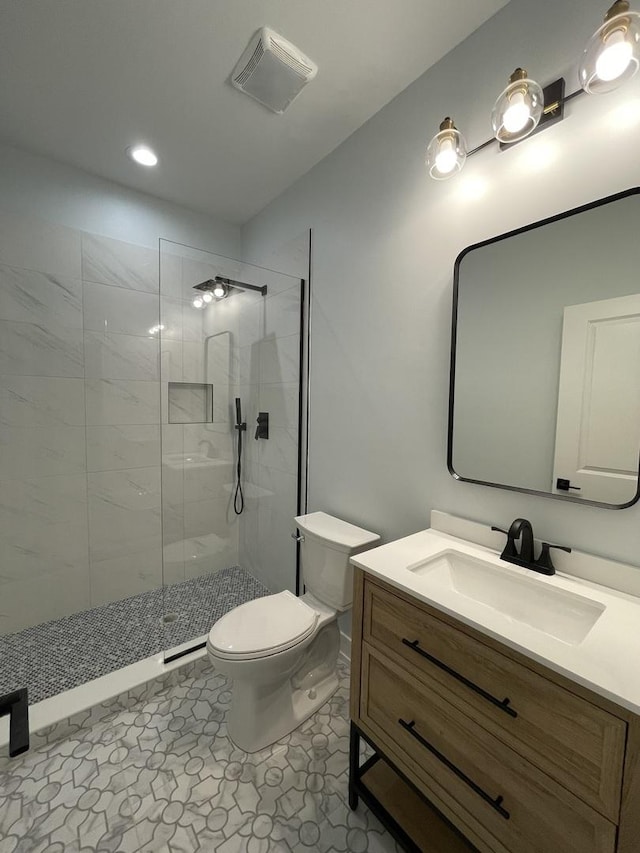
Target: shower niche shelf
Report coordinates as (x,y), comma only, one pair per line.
(190,403)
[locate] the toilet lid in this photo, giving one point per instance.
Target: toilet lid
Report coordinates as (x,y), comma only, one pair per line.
(263,626)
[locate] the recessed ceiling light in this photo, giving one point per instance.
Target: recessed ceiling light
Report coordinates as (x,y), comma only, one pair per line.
(143,155)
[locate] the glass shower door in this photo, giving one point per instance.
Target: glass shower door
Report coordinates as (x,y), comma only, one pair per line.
(230,354)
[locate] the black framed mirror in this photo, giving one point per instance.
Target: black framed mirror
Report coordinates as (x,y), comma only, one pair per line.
(545,357)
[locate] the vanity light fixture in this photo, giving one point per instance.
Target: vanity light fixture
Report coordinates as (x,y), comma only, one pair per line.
(518,109)
(446,152)
(612,54)
(143,155)
(611,57)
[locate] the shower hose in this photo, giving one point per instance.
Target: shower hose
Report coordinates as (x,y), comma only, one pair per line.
(238,498)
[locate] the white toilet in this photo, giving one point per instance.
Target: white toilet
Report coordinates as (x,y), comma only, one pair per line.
(281,651)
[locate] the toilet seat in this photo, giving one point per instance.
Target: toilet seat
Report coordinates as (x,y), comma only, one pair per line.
(262,627)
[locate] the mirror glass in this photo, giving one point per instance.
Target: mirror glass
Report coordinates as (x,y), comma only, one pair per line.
(545,373)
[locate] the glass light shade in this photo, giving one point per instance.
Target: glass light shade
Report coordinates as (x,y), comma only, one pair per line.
(518,109)
(219,291)
(612,54)
(446,153)
(198,302)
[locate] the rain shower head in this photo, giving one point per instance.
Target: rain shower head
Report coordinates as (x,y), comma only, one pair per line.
(221,286)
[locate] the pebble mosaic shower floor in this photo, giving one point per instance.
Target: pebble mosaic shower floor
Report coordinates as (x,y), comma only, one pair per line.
(163,777)
(64,653)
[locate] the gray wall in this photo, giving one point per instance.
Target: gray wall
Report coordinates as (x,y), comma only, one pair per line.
(385,240)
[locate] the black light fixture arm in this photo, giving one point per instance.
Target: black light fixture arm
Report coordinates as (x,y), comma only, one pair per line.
(554,100)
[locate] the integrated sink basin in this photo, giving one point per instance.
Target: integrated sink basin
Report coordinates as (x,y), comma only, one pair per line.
(528,600)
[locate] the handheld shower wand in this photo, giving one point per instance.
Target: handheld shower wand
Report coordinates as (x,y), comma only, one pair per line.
(238,498)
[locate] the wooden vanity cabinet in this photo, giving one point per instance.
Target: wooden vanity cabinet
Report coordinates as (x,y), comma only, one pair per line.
(511,755)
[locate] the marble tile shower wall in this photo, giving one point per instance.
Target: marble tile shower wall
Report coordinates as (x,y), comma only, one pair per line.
(80,497)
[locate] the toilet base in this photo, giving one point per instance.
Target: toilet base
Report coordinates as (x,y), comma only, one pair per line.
(260,715)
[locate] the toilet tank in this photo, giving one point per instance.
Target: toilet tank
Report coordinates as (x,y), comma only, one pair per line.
(327,545)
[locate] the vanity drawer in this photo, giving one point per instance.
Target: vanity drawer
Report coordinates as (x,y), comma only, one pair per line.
(571,740)
(520,808)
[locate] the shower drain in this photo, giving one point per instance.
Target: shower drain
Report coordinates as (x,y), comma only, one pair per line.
(169,617)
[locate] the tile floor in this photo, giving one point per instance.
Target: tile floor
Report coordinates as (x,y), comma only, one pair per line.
(59,655)
(163,777)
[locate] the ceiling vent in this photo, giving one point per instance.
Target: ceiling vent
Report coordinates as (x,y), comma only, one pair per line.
(272,70)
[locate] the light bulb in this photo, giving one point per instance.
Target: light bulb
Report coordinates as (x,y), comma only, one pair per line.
(219,290)
(446,157)
(446,152)
(518,109)
(612,54)
(615,58)
(207,296)
(517,114)
(198,302)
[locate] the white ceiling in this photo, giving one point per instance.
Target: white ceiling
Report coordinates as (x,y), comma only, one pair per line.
(80,80)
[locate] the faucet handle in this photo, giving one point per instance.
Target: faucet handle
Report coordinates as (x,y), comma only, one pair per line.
(544,561)
(510,549)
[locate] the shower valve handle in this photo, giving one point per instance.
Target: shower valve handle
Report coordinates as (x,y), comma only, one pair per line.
(262,430)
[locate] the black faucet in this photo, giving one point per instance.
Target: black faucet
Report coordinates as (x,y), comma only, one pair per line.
(525,557)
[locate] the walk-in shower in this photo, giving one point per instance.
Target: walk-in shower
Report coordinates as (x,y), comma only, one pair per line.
(236,359)
(119,528)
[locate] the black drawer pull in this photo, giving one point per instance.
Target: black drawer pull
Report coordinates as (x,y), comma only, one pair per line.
(503,704)
(494,803)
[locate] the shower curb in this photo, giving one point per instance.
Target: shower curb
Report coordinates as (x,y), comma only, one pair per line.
(144,687)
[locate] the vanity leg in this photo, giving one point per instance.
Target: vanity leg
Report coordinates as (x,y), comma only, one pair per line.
(354,766)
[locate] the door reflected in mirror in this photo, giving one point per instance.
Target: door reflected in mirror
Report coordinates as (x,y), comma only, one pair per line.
(545,367)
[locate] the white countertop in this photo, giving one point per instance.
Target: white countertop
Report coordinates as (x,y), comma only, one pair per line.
(607,661)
